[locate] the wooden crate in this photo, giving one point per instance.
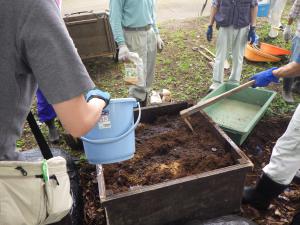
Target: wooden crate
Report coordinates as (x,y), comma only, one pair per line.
(201,196)
(91,33)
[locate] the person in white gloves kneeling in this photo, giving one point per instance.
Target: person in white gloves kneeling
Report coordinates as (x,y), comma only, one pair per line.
(133,24)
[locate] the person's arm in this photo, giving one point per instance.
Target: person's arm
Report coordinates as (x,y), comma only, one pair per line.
(290,70)
(159,42)
(115,18)
(155,28)
(254,11)
(78,116)
(213,12)
(266,77)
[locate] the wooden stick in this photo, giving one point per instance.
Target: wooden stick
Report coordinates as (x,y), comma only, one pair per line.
(203,54)
(207,50)
(186,120)
(202,104)
(226,63)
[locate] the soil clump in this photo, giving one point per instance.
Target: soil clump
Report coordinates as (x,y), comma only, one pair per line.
(167,150)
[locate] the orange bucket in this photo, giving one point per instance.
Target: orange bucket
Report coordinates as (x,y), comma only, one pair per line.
(256,55)
(274,50)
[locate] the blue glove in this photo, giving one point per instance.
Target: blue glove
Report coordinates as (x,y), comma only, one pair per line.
(209,33)
(97,93)
(264,78)
(256,42)
(252,35)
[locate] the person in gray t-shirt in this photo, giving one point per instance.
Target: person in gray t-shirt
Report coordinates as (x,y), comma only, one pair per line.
(36,49)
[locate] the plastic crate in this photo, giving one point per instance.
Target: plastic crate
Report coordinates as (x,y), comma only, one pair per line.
(238,114)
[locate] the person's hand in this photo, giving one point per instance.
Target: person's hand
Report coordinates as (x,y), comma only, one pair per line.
(123,53)
(256,42)
(287,33)
(209,33)
(160,43)
(252,35)
(264,78)
(97,93)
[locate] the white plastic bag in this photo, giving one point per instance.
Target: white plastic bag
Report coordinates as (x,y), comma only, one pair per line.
(134,70)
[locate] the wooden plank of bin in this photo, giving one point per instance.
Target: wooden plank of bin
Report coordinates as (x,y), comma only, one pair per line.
(178,201)
(111,41)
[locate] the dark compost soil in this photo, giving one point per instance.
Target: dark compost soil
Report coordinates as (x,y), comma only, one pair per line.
(167,150)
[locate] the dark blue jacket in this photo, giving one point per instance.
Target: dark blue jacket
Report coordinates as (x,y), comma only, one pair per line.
(234,12)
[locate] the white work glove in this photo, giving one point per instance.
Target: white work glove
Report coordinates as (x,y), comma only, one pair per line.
(123,53)
(287,33)
(160,43)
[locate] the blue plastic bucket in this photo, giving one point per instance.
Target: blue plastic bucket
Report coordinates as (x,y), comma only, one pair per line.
(113,138)
(263,9)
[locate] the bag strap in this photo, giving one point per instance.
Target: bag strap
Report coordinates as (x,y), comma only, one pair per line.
(40,139)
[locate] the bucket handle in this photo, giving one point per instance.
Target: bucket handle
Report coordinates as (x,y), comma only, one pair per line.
(109,140)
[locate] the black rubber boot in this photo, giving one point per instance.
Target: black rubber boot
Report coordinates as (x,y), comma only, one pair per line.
(53,132)
(261,195)
(287,90)
(296,219)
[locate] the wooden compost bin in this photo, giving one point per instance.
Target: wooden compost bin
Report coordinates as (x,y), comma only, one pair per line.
(201,196)
(91,33)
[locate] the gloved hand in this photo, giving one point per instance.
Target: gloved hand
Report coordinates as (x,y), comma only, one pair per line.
(251,35)
(97,93)
(160,43)
(264,78)
(256,42)
(287,33)
(209,33)
(123,53)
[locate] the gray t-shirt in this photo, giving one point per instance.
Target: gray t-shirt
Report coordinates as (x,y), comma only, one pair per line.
(35,49)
